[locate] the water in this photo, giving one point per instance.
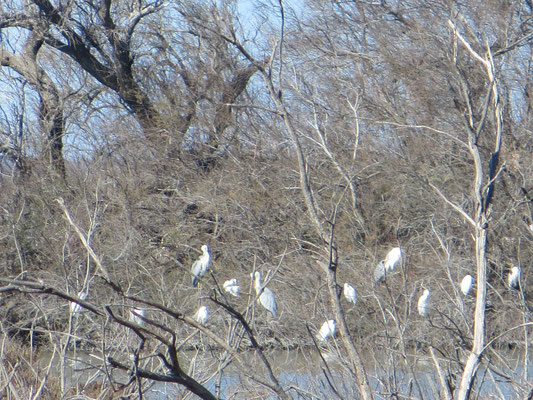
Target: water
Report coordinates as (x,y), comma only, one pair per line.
(304,376)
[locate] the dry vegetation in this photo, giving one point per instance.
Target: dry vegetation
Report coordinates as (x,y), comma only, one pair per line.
(306,153)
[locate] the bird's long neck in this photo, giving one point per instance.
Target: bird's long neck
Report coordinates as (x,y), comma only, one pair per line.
(257,283)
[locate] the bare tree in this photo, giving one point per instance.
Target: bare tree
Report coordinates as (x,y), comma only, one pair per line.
(340,131)
(51,108)
(484,192)
(106,41)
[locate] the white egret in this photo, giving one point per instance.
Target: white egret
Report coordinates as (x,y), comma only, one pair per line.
(379,273)
(423,303)
(201,315)
(514,278)
(75,307)
(350,293)
(466,284)
(136,314)
(267,298)
(393,257)
(232,287)
(329,328)
(200,266)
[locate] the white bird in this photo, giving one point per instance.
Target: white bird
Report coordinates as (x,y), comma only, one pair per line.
(75,307)
(136,314)
(350,293)
(267,298)
(392,259)
(232,287)
(379,273)
(329,328)
(466,284)
(423,303)
(201,315)
(514,278)
(200,266)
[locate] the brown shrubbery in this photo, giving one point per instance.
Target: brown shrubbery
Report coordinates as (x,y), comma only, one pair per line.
(353,134)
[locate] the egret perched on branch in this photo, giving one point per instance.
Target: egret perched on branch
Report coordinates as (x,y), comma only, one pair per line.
(232,287)
(329,328)
(514,278)
(350,293)
(136,314)
(75,307)
(466,284)
(393,257)
(423,302)
(266,299)
(200,266)
(379,273)
(201,315)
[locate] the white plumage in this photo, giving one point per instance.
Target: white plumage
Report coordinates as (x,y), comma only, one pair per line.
(328,329)
(267,298)
(136,314)
(392,259)
(232,287)
(423,303)
(75,307)
(514,278)
(201,315)
(200,266)
(350,293)
(379,273)
(466,284)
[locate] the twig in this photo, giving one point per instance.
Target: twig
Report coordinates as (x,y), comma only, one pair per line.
(467,45)
(91,252)
(453,205)
(442,380)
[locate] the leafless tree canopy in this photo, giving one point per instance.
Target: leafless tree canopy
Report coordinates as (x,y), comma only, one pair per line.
(302,140)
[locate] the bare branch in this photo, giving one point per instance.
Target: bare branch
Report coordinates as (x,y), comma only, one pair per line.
(453,205)
(83,240)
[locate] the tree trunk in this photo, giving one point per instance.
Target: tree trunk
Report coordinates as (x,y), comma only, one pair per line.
(474,358)
(51,109)
(53,128)
(354,356)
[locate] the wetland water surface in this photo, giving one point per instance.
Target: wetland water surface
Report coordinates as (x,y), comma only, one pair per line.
(305,376)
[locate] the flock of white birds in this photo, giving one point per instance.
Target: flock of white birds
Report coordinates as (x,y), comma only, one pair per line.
(394,256)
(266,297)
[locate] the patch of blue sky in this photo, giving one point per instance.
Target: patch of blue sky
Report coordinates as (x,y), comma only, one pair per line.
(258,16)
